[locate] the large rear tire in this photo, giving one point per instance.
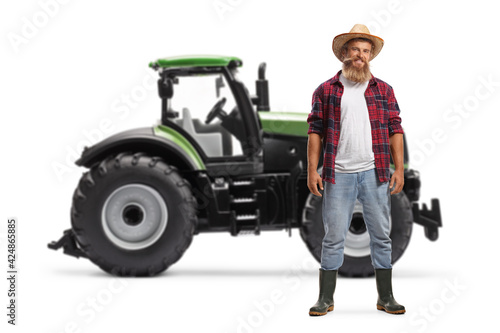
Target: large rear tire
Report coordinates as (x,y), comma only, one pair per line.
(357,260)
(133,215)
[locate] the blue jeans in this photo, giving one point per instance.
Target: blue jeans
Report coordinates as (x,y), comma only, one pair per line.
(338,204)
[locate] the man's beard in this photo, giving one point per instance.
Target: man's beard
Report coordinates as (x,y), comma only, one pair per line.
(354,73)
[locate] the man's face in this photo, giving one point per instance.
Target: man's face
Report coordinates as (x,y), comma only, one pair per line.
(356,64)
(360,51)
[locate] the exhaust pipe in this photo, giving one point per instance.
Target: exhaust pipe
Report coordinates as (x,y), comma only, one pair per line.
(262,89)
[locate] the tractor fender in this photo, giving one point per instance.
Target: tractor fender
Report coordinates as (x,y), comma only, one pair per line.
(160,141)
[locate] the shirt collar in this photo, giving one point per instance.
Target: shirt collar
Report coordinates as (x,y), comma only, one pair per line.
(336,79)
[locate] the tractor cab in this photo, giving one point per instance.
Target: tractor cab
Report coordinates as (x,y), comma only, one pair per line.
(204,101)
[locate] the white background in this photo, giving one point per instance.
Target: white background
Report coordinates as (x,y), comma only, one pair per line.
(63,84)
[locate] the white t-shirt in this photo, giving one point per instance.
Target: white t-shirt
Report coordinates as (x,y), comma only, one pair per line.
(354,151)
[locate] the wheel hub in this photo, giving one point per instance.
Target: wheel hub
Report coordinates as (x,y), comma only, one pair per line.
(134,216)
(358,225)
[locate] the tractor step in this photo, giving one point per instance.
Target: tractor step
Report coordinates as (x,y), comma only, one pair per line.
(245,217)
(243,204)
(242,182)
(247,233)
(243,200)
(246,223)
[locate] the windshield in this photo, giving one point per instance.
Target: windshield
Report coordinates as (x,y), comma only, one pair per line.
(194,98)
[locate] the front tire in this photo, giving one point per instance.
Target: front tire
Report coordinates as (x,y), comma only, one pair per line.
(357,260)
(133,215)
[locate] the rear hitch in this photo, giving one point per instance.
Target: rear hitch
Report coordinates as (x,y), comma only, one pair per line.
(429,219)
(69,244)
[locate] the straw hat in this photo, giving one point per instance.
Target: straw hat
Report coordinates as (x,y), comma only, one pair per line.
(358,31)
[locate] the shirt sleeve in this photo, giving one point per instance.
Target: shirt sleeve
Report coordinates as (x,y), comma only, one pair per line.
(315,118)
(394,118)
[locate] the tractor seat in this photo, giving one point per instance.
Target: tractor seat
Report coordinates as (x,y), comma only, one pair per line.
(216,127)
(211,143)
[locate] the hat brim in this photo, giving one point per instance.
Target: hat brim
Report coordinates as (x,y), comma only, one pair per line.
(341,39)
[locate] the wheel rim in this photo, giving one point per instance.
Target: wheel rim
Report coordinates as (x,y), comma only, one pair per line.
(134,216)
(357,242)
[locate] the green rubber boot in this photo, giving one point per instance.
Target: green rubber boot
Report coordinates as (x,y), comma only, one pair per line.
(327,281)
(386,301)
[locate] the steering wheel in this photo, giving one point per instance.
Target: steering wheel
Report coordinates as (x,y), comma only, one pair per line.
(216,111)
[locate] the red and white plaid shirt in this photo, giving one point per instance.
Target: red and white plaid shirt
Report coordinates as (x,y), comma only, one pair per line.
(383,111)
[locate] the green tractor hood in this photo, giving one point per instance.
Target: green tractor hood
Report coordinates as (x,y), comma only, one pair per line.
(287,123)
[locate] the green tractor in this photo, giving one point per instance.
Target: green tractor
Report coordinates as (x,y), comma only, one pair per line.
(240,170)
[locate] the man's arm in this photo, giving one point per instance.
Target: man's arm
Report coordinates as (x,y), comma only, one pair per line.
(313,154)
(314,144)
(397,152)
(396,142)
(393,108)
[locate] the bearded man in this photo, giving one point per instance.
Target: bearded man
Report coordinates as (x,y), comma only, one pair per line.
(355,119)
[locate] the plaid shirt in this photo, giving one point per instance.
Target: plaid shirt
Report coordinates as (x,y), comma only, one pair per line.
(383,111)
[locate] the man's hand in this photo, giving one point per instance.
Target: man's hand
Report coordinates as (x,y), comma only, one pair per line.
(313,180)
(398,178)
(313,152)
(396,144)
